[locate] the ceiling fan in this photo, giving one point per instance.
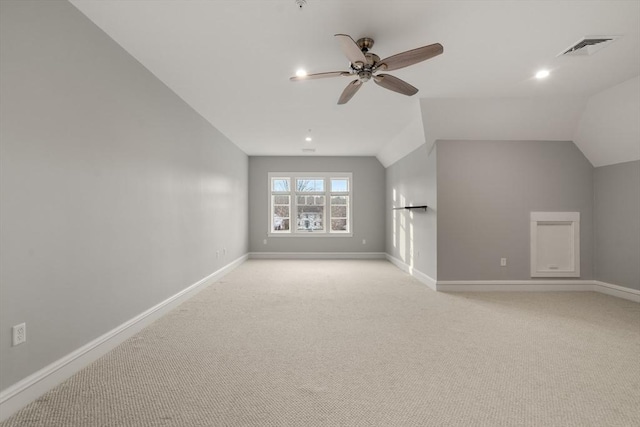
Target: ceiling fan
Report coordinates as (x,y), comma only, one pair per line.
(364,64)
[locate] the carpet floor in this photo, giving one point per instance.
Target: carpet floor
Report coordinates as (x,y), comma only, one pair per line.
(360,343)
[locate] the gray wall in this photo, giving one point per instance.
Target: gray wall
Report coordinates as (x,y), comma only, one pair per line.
(115,195)
(617,224)
(411,236)
(486,191)
(368,204)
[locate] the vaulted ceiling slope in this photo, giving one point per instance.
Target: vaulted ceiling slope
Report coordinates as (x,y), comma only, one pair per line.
(605,126)
(231,61)
(609,128)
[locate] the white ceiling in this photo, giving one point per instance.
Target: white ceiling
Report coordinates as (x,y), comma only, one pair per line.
(231,61)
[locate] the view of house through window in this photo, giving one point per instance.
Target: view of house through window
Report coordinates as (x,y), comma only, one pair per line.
(316,203)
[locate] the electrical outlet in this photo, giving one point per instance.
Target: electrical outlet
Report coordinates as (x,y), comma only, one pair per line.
(19,334)
(503,262)
(264,242)
(364,241)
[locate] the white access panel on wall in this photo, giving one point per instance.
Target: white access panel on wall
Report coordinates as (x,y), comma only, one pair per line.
(555,244)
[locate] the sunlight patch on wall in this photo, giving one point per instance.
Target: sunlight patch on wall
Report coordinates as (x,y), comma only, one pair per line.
(395,216)
(403,232)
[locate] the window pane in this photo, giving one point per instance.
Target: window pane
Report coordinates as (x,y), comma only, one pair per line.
(311,200)
(281,200)
(339,214)
(280,224)
(309,185)
(280,217)
(338,211)
(340,185)
(281,211)
(339,200)
(339,225)
(280,184)
(310,218)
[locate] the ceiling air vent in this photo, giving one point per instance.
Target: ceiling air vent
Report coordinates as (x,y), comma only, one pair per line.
(588,45)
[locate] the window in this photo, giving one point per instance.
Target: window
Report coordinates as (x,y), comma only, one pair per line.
(317,204)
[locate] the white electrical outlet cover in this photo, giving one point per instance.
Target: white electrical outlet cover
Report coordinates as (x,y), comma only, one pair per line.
(19,333)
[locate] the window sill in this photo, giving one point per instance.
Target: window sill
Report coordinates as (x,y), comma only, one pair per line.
(309,234)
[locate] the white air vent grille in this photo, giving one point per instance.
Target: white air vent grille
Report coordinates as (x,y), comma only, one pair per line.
(588,45)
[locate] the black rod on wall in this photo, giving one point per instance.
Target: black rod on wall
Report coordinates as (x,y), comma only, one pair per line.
(424,207)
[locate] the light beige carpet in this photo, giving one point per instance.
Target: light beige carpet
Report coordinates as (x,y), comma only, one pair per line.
(360,343)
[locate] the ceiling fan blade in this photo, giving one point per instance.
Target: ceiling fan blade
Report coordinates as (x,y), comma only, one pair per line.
(387,81)
(351,49)
(410,57)
(320,75)
(349,91)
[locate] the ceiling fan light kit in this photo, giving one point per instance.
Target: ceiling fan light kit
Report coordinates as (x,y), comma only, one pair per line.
(364,65)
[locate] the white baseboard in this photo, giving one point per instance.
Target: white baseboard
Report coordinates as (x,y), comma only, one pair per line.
(538,286)
(616,291)
(30,388)
(549,285)
(422,277)
(514,285)
(317,255)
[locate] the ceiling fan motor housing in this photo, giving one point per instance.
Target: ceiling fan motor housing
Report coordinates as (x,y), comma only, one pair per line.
(364,75)
(365,70)
(372,58)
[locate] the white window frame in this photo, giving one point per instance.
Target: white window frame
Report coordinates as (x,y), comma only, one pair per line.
(293,204)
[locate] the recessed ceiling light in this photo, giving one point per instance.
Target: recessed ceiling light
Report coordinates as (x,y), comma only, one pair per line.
(308,139)
(301,73)
(542,74)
